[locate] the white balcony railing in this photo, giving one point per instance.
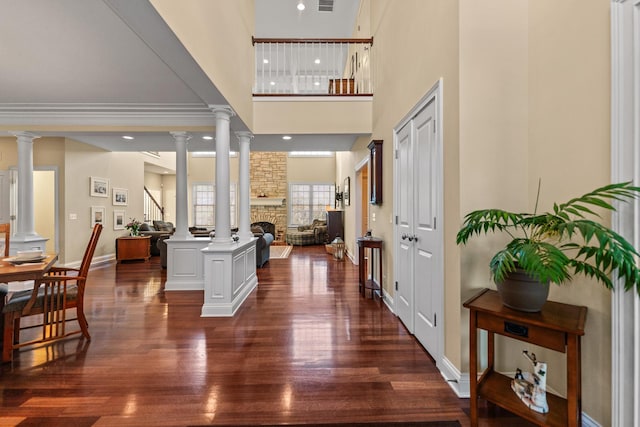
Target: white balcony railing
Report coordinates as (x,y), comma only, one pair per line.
(313,67)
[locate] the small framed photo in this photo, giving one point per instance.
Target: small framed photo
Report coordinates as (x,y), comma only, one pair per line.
(118,220)
(99,187)
(97,215)
(120,196)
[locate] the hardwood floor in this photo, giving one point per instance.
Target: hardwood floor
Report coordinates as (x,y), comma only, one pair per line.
(304,348)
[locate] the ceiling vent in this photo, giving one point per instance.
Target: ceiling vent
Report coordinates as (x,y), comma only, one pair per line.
(325,5)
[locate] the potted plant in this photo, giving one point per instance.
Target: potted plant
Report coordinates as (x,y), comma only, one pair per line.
(555,246)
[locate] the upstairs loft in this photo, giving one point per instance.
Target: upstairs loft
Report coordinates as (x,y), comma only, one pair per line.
(313,67)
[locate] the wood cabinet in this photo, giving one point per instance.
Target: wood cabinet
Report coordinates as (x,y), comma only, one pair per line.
(375,173)
(335,225)
(130,248)
(558,327)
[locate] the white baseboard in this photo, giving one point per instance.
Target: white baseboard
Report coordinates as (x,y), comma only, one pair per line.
(458,381)
(97,262)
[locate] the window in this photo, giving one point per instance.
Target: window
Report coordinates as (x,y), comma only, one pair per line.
(308,202)
(204,205)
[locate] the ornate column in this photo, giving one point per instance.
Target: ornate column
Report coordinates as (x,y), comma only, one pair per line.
(25,236)
(244,231)
(182,220)
(223,114)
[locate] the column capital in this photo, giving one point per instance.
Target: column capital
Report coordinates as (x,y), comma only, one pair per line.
(181,135)
(244,134)
(24,135)
(222,111)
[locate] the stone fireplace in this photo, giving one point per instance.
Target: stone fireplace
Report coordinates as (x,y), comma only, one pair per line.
(268,176)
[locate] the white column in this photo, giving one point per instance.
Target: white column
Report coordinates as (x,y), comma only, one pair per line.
(26,213)
(182,220)
(223,114)
(244,231)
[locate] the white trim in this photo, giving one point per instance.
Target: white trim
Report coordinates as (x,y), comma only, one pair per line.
(625,166)
(43,114)
(458,381)
(268,201)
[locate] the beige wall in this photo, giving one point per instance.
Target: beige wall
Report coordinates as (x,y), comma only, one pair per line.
(124,170)
(302,116)
(431,42)
(218,36)
(526,96)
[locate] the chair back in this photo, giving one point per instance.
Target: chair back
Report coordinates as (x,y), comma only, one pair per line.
(5,233)
(88,253)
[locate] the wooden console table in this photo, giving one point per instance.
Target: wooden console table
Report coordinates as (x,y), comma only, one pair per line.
(373,243)
(557,327)
(130,248)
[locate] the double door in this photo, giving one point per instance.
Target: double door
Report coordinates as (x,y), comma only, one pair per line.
(418,242)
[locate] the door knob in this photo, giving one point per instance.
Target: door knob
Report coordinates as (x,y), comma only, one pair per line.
(404,236)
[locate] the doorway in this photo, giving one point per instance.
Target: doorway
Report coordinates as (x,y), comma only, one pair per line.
(419,246)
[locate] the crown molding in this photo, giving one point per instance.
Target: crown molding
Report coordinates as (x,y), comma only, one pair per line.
(43,114)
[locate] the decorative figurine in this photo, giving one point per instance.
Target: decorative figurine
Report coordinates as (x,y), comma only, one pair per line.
(531,387)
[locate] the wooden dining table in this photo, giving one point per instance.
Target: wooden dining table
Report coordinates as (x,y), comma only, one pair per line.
(11,273)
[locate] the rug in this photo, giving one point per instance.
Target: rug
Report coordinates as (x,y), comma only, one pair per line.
(280,252)
(374,424)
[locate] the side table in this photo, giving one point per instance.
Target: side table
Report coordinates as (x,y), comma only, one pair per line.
(133,247)
(558,327)
(371,243)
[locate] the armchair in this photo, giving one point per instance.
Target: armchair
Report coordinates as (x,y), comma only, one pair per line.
(312,234)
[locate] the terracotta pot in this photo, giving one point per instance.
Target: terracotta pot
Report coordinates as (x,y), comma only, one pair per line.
(522,292)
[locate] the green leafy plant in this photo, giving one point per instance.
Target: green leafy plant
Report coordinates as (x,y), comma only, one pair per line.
(555,246)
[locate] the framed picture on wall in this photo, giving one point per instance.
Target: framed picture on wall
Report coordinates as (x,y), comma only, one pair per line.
(97,215)
(118,220)
(99,187)
(120,196)
(347,187)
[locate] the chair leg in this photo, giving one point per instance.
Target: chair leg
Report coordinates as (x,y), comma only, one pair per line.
(82,320)
(7,338)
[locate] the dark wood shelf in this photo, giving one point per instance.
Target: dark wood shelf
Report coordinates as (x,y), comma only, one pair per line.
(496,388)
(557,326)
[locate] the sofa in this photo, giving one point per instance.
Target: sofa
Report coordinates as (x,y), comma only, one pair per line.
(312,234)
(265,232)
(155,230)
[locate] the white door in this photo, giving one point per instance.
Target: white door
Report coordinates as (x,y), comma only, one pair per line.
(419,253)
(426,239)
(404,193)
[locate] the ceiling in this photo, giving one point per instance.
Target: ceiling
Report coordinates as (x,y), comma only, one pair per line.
(91,63)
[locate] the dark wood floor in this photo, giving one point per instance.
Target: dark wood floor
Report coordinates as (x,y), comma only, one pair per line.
(304,348)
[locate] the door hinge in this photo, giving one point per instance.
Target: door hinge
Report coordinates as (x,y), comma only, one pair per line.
(396,219)
(396,286)
(434,222)
(396,154)
(434,126)
(435,319)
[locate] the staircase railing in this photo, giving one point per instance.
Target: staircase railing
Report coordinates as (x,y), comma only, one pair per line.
(153,211)
(303,67)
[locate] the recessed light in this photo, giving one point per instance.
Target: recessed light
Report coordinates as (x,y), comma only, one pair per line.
(127,137)
(286,137)
(317,61)
(265,61)
(207,137)
(316,83)
(272,83)
(300,6)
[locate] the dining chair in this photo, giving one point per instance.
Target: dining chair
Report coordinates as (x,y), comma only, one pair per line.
(60,289)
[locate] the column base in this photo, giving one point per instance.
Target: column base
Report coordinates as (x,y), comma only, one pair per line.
(25,243)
